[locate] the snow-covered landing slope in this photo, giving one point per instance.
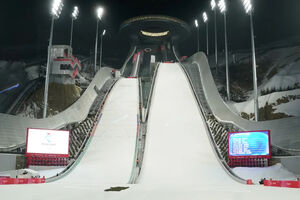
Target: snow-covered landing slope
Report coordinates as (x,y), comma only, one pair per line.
(201,178)
(110,156)
(178,150)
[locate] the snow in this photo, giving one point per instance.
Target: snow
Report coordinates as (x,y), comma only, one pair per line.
(47,173)
(30,110)
(291,108)
(248,106)
(177,150)
(110,156)
(287,63)
(180,155)
(276,172)
(32,72)
(286,77)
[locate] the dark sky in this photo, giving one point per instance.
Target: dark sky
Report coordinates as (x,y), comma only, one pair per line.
(25,24)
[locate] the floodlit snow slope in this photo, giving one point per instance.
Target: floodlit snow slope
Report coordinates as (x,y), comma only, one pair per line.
(110,155)
(178,150)
(197,176)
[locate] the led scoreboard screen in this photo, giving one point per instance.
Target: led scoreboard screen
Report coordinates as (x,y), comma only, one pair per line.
(47,142)
(249,144)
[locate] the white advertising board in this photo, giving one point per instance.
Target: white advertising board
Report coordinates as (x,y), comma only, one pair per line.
(43,141)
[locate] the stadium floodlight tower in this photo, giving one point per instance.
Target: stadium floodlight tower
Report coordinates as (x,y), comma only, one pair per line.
(74,17)
(100,12)
(249,10)
(205,20)
(223,10)
(198,41)
(213,5)
(57,6)
(101,38)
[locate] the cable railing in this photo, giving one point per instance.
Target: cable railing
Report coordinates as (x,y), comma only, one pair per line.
(148,105)
(131,53)
(142,129)
(137,152)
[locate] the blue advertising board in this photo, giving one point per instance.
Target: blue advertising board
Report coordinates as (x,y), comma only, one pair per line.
(249,144)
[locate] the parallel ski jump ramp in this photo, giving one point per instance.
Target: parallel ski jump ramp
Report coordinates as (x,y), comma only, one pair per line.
(108,159)
(13,128)
(179,161)
(178,150)
(285,133)
(110,155)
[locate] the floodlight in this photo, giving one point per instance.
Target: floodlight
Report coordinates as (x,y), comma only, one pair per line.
(56,9)
(75,13)
(222,6)
(213,7)
(57,6)
(249,9)
(213,4)
(100,12)
(196,23)
(205,18)
(104,31)
(248,6)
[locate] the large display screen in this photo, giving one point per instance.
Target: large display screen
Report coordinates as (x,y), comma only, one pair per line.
(43,141)
(253,144)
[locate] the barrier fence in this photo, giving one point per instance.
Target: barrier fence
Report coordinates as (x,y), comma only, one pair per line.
(276,183)
(10,181)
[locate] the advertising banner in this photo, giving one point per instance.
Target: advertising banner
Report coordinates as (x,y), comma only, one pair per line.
(249,144)
(47,142)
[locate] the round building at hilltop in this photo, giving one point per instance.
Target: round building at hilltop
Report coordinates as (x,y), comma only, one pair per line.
(154,29)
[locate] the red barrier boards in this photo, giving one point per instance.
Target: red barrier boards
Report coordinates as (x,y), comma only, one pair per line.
(276,183)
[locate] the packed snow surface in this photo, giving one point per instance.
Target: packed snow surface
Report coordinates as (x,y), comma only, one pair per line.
(110,156)
(178,150)
(46,171)
(179,160)
(290,108)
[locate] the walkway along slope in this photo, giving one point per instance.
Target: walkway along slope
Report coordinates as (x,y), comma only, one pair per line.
(285,133)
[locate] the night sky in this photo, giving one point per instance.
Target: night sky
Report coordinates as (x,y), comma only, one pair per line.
(25,24)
